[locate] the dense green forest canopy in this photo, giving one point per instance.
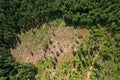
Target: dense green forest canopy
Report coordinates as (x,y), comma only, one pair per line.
(18,16)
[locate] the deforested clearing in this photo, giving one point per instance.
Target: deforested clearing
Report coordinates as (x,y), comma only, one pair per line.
(48,42)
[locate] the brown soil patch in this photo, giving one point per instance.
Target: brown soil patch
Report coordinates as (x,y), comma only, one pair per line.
(57,43)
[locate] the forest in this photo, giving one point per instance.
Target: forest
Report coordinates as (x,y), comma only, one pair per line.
(101,55)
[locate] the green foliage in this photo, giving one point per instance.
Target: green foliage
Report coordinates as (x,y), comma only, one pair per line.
(87,12)
(21,15)
(102,45)
(6,66)
(57,22)
(43,69)
(101,54)
(25,72)
(11,70)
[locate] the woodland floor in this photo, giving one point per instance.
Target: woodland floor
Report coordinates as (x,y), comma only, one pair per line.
(57,43)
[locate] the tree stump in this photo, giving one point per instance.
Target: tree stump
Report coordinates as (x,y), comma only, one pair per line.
(55,58)
(57,53)
(61,50)
(31,53)
(80,37)
(76,41)
(74,52)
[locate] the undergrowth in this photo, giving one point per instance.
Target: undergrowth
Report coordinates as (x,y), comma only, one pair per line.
(100,51)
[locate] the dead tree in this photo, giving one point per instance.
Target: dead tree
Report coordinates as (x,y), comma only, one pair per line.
(77,42)
(54,65)
(57,53)
(53,34)
(74,52)
(45,56)
(106,33)
(61,50)
(50,42)
(18,39)
(55,58)
(89,54)
(45,50)
(31,53)
(49,48)
(33,32)
(80,36)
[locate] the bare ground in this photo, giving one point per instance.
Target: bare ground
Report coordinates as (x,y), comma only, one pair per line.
(63,43)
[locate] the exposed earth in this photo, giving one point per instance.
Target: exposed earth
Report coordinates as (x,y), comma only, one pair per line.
(57,43)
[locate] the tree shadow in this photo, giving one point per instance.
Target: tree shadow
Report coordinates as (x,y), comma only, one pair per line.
(16,42)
